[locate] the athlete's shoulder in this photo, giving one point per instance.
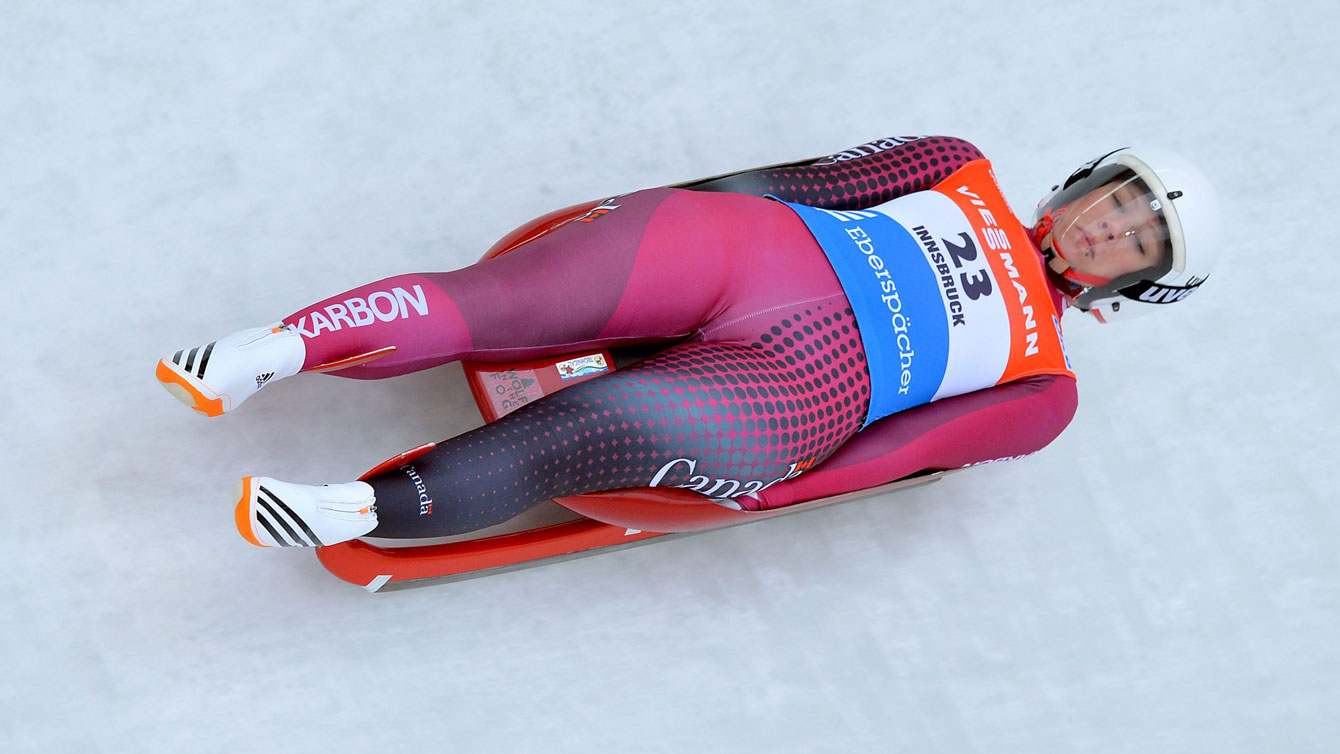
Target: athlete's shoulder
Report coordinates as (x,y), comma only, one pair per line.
(908,151)
(855,178)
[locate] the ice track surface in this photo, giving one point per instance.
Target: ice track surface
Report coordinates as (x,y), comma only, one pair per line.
(1164,578)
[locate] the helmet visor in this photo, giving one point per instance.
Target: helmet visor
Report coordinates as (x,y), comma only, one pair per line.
(1109,225)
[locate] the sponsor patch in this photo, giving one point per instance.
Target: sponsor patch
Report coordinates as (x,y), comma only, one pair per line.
(425,499)
(582,366)
(867,149)
(512,389)
(356,311)
(1153,293)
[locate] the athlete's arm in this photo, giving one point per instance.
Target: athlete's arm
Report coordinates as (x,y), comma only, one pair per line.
(1005,421)
(860,177)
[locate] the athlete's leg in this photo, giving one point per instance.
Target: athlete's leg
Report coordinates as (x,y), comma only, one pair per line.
(651,268)
(720,419)
(607,281)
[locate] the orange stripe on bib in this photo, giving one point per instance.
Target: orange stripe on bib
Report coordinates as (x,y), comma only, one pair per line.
(1036,345)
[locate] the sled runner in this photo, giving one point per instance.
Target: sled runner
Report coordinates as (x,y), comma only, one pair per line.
(387,568)
(605,520)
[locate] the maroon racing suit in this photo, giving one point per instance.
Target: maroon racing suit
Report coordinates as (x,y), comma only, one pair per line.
(762,375)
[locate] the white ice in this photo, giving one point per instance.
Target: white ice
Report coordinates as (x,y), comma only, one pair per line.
(1163,578)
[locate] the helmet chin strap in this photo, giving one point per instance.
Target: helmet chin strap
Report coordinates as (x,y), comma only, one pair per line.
(1088,281)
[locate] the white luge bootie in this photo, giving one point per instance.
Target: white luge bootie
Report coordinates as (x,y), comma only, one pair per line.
(271,513)
(215,378)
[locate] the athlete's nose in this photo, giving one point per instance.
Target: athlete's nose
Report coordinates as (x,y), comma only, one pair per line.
(1112,235)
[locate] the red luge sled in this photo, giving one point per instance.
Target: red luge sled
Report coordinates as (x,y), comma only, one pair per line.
(608,520)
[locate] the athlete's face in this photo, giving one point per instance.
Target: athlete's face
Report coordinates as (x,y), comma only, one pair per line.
(1111,231)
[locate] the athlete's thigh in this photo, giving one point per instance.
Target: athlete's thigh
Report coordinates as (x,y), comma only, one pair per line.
(720,419)
(605,277)
(716,418)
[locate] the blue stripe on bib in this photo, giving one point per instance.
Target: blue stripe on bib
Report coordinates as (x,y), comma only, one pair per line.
(896,299)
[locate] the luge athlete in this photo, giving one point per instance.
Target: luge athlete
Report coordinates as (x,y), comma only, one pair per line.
(881,312)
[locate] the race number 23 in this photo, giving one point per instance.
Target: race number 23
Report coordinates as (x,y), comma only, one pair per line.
(963,255)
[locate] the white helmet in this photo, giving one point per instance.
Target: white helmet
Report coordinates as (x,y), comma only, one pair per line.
(1184,206)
